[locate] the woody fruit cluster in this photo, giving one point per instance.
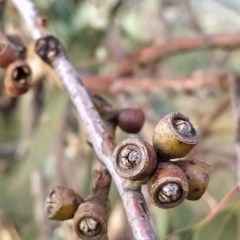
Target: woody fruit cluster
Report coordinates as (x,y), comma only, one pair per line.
(170,180)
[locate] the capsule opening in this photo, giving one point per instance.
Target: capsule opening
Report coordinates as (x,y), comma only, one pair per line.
(21,74)
(183,128)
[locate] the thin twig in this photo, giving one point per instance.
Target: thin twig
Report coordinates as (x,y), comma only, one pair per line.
(145,84)
(100,187)
(174,84)
(207,121)
(210,201)
(134,203)
(220,206)
(37,192)
(157,51)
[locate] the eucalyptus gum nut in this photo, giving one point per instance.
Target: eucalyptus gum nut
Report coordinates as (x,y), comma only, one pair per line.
(131,120)
(7,53)
(174,136)
(62,203)
(168,186)
(48,48)
(134,159)
(90,221)
(198,176)
(17,79)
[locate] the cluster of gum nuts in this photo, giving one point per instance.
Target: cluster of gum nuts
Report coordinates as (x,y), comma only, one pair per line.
(169,179)
(90,216)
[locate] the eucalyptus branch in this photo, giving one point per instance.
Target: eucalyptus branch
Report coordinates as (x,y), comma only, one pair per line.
(134,203)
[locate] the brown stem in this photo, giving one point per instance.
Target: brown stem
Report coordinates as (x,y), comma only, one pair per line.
(108,114)
(207,121)
(101,186)
(123,84)
(91,218)
(209,200)
(156,51)
(220,206)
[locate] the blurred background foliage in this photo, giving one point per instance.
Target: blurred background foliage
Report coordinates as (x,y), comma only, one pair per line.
(43,143)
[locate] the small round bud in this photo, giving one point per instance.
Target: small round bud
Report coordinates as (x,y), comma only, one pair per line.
(131,120)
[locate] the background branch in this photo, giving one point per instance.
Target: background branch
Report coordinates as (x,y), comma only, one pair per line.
(154,52)
(177,84)
(157,51)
